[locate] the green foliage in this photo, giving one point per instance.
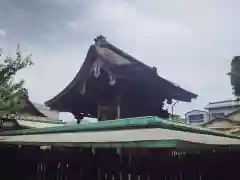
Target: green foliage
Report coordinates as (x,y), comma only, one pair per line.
(235,76)
(11,92)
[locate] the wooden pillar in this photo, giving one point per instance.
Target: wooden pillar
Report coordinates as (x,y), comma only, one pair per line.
(118,101)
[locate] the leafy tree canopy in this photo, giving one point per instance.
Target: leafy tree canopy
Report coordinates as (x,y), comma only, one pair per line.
(11,92)
(235,76)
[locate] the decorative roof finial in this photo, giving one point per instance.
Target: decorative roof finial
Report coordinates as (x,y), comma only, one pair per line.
(154,70)
(100,40)
(25,92)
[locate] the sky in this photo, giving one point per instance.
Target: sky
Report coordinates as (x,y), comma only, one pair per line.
(191,42)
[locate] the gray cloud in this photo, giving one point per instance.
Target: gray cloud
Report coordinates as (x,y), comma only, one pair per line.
(36,21)
(191,42)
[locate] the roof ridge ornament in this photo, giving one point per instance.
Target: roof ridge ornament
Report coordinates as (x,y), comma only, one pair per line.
(25,92)
(100,40)
(155,70)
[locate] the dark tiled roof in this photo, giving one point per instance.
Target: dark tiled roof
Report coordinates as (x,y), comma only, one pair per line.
(123,66)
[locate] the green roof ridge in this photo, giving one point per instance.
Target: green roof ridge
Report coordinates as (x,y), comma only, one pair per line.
(120,124)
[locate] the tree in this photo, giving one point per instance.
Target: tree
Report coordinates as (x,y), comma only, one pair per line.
(235,76)
(11,92)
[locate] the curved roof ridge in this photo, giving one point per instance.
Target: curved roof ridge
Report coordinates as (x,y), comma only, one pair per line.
(35,108)
(27,103)
(74,81)
(131,58)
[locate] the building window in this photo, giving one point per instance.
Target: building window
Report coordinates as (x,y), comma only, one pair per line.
(196,118)
(218,115)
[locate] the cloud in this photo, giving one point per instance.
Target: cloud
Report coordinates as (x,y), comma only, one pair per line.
(2,33)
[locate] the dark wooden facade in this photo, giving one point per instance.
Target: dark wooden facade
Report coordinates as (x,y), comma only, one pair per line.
(32,163)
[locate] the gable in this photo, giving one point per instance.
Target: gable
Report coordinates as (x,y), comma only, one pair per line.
(195,111)
(235,116)
(220,123)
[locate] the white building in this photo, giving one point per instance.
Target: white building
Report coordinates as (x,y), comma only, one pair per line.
(196,117)
(213,110)
(222,108)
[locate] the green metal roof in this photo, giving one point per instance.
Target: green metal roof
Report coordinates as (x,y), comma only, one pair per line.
(120,124)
